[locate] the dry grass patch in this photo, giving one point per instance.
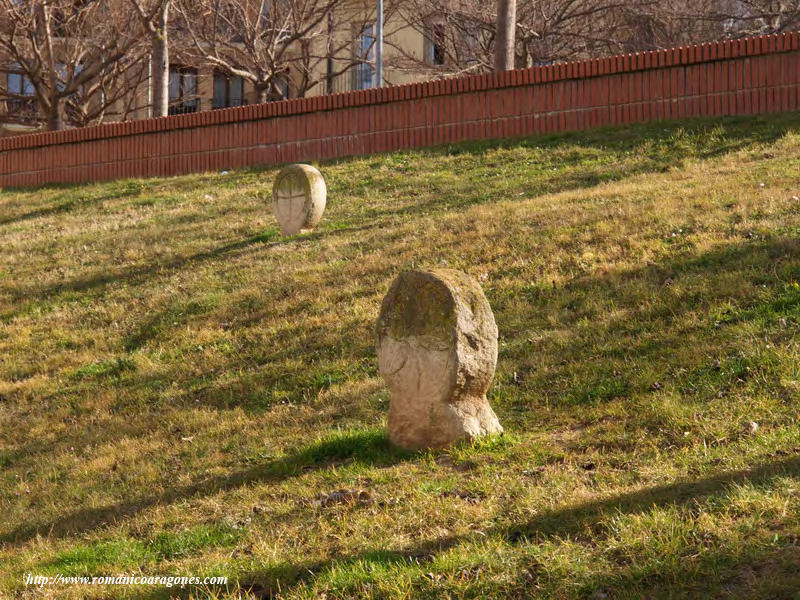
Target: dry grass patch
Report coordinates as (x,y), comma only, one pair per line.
(178,379)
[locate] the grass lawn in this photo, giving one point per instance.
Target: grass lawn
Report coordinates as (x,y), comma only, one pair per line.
(179,382)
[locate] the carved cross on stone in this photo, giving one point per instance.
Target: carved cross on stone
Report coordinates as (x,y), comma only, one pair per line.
(299,196)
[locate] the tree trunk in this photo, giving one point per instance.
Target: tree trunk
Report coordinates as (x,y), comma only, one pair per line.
(161,64)
(329,55)
(505,39)
(55,121)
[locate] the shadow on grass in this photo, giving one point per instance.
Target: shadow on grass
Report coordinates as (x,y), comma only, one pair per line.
(49,211)
(648,332)
(772,261)
(270,238)
(758,569)
(622,356)
(743,131)
(585,159)
(583,521)
(655,146)
(361,447)
(72,201)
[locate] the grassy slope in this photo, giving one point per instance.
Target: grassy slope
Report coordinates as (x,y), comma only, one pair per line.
(177,379)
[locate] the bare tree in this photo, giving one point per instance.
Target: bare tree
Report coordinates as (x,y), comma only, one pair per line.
(561,30)
(465,36)
(116,94)
(273,44)
(77,58)
(759,17)
(458,37)
(668,23)
(154,16)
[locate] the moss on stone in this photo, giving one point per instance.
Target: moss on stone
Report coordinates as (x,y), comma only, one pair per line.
(419,305)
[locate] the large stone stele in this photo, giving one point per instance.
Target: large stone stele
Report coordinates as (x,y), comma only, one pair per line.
(298,198)
(437,351)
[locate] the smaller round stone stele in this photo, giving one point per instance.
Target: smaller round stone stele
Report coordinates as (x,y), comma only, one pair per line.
(299,195)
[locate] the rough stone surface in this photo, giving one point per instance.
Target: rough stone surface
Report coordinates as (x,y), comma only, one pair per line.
(437,352)
(298,198)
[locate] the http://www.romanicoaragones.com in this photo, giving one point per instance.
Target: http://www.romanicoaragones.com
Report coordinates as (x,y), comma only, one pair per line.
(161,580)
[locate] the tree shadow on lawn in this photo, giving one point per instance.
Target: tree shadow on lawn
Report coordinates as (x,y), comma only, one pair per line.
(270,239)
(62,207)
(773,260)
(646,333)
(770,260)
(756,263)
(652,327)
(641,139)
(366,447)
(72,198)
(759,569)
(623,355)
(584,521)
(652,148)
(738,132)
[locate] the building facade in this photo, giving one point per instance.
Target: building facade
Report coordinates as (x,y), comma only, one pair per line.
(194,86)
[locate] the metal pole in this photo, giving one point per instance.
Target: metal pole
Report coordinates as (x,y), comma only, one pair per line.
(379,46)
(150,84)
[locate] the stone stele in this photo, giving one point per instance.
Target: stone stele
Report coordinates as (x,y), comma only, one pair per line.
(437,351)
(298,198)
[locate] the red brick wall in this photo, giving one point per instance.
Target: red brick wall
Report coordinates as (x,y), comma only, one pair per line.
(754,75)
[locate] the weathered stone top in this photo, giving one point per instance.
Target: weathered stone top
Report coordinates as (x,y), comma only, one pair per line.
(419,306)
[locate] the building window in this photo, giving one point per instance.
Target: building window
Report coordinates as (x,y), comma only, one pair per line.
(20,85)
(228,90)
(364,73)
(183,91)
(435,44)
